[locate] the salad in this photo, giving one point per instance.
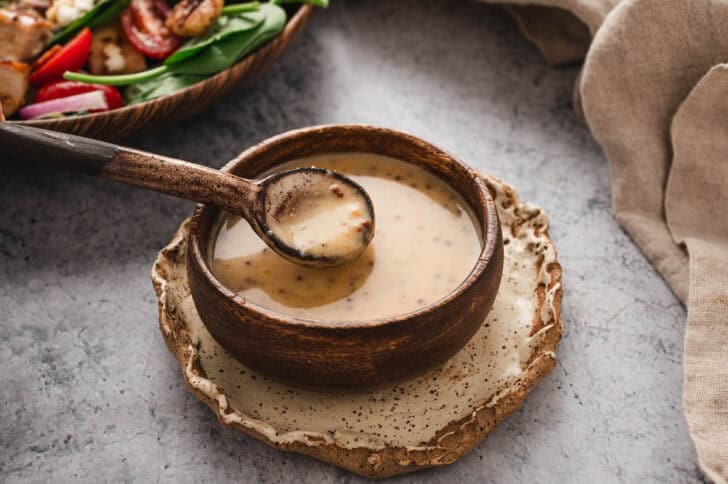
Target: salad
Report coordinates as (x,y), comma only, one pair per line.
(70,57)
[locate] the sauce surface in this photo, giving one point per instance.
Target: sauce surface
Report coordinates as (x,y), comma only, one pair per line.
(425,245)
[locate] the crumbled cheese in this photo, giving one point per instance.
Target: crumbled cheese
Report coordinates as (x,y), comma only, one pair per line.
(84,5)
(115,61)
(66,14)
(63,12)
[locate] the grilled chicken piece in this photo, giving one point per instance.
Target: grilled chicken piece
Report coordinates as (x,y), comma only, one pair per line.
(13,84)
(111,53)
(190,18)
(39,5)
(23,33)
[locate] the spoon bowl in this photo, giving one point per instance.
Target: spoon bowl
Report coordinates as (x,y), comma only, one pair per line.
(316,197)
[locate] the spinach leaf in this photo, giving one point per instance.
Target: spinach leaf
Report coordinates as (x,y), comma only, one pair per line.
(159,86)
(240,7)
(220,51)
(220,55)
(86,19)
(110,14)
(318,3)
(222,47)
(224,27)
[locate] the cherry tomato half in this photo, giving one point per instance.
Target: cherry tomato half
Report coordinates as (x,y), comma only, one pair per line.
(70,57)
(143,24)
(61,89)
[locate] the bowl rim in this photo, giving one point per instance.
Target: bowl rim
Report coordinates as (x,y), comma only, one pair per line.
(485,258)
(292,24)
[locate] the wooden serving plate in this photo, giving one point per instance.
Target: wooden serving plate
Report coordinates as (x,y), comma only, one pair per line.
(123,122)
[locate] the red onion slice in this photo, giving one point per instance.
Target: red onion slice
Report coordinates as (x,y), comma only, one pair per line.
(80,102)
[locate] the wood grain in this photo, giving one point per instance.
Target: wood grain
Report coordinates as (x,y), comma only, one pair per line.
(123,122)
(357,354)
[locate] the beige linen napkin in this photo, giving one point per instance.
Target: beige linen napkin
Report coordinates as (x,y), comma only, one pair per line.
(655,95)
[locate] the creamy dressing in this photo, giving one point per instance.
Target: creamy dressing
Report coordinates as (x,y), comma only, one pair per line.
(425,245)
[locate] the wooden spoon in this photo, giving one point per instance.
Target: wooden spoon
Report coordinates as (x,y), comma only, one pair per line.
(278,207)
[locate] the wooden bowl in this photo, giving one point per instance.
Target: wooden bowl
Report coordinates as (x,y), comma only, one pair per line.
(121,123)
(359,354)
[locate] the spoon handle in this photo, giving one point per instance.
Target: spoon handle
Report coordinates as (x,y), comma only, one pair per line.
(167,175)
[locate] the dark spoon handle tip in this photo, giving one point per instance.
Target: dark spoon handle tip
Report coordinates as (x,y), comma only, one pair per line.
(52,148)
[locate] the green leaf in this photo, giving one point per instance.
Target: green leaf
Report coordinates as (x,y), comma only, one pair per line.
(318,3)
(240,7)
(160,86)
(83,21)
(218,56)
(222,47)
(224,27)
(110,14)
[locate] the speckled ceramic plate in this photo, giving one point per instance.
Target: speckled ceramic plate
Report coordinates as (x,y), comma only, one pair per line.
(429,421)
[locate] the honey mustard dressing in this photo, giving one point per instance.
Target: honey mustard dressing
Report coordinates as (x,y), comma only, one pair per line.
(425,245)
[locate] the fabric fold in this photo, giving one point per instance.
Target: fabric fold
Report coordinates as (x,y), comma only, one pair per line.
(562,37)
(635,76)
(695,203)
(654,93)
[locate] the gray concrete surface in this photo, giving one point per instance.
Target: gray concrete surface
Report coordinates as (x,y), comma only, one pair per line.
(88,392)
